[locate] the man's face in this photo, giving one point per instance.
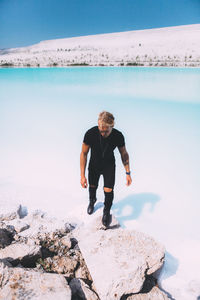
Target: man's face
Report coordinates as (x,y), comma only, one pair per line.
(105,131)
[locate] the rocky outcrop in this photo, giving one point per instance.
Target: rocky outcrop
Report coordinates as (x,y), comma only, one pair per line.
(39,258)
(44,258)
(119,260)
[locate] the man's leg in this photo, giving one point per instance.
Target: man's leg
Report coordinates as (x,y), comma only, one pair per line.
(109,195)
(93,178)
(109,181)
(92,199)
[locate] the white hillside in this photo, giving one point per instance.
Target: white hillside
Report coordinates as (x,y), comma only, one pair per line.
(171,46)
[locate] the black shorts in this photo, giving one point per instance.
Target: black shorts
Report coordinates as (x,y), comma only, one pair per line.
(108,173)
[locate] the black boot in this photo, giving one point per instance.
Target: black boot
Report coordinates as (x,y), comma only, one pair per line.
(90,208)
(93,199)
(107,219)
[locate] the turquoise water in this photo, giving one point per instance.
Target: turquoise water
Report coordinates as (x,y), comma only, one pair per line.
(44,114)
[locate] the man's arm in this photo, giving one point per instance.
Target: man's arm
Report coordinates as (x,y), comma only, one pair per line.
(125,161)
(83,162)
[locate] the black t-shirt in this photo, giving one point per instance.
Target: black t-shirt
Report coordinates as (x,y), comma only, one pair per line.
(102,148)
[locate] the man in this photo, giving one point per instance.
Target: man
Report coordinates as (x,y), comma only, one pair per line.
(102,140)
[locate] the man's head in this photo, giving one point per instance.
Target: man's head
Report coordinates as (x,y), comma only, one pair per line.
(105,123)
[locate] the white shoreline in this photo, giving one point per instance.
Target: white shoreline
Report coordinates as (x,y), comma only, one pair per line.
(75,67)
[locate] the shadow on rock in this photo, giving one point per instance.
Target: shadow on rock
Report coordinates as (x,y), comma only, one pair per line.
(135,204)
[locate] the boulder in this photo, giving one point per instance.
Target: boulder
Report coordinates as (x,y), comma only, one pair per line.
(18,225)
(10,212)
(18,283)
(41,225)
(118,259)
(21,253)
(154,294)
(150,291)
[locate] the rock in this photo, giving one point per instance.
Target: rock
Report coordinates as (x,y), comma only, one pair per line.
(149,291)
(17,284)
(38,214)
(4,274)
(18,225)
(66,241)
(21,253)
(6,238)
(63,265)
(82,271)
(4,263)
(118,259)
(9,212)
(154,294)
(69,227)
(62,255)
(47,246)
(41,225)
(81,291)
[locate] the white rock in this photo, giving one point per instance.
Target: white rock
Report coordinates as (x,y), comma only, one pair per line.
(154,294)
(18,225)
(40,223)
(17,252)
(118,259)
(32,285)
(9,212)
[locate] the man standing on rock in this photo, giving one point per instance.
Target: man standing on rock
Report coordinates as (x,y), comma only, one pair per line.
(102,140)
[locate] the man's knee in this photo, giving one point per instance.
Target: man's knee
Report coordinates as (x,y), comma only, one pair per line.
(107,190)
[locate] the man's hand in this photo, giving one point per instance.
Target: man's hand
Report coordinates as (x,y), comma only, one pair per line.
(128,180)
(84,182)
(125,161)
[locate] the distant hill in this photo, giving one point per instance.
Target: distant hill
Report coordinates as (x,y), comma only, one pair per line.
(171,46)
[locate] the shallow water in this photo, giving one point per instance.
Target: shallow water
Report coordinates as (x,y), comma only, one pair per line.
(44,114)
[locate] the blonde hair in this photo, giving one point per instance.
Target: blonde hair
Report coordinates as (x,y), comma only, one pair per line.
(106,119)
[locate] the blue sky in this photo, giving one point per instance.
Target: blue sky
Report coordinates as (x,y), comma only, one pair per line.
(26,22)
